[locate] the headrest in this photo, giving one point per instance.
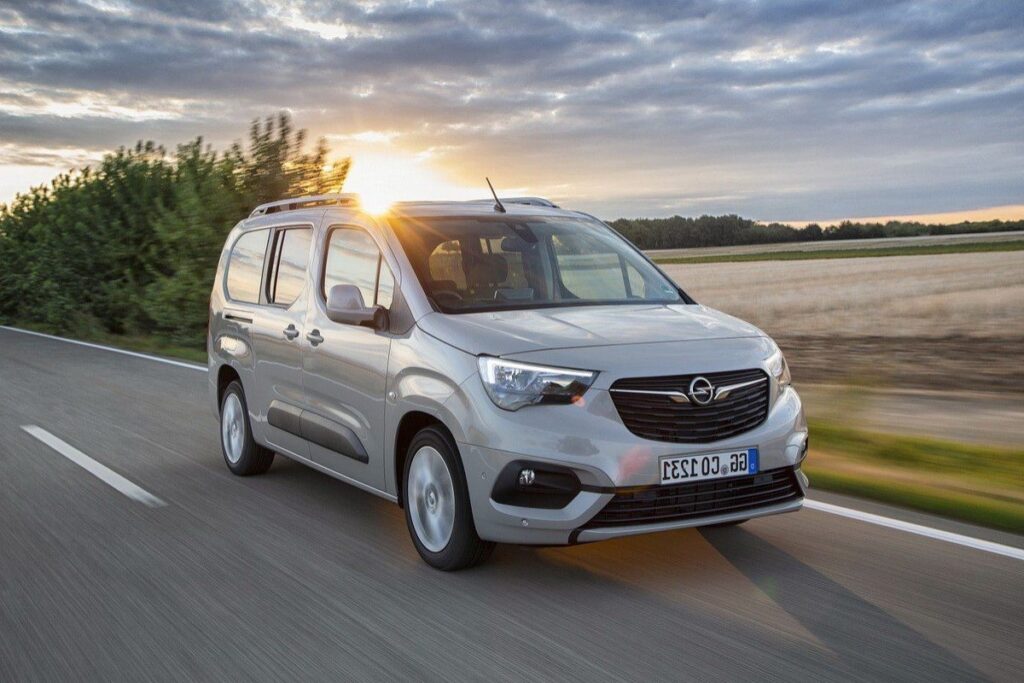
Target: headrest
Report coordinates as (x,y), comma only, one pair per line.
(488,269)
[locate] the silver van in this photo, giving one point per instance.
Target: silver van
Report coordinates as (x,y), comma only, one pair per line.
(506,371)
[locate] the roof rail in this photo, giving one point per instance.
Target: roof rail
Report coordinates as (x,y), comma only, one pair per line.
(530,201)
(293,203)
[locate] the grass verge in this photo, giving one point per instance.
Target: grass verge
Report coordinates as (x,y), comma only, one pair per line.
(142,344)
(994,514)
(977,484)
(801,255)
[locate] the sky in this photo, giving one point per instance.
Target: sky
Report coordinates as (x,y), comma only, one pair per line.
(797,110)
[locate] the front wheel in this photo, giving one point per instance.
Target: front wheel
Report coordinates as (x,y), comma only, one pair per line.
(242,454)
(437,509)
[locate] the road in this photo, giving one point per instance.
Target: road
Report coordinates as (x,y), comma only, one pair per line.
(294,575)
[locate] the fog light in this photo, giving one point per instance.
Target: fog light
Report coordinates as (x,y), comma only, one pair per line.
(535,485)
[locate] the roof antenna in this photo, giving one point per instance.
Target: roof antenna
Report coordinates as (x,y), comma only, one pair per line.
(498,206)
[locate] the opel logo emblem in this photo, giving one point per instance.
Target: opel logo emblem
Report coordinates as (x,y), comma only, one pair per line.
(701,391)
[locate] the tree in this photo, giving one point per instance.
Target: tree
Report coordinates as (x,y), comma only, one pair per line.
(132,245)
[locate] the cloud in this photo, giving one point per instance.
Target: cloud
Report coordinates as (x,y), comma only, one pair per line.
(796,106)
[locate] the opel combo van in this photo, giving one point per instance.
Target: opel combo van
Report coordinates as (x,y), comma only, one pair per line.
(506,371)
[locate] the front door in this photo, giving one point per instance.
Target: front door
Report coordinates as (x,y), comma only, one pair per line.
(346,365)
(276,338)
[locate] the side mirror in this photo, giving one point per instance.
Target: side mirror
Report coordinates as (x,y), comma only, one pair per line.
(345,305)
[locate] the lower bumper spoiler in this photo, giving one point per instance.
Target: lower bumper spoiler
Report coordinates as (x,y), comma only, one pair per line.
(604,533)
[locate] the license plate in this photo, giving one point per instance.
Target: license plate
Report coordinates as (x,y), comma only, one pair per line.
(685,468)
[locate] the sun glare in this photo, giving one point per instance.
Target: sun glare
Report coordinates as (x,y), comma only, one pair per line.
(381,179)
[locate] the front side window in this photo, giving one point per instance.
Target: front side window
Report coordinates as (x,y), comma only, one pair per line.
(468,264)
(245,266)
(590,270)
(354,259)
(291,255)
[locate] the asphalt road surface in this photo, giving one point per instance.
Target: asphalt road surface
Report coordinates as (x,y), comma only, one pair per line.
(293,575)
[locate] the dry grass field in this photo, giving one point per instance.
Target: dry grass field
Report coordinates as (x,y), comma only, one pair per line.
(921,321)
(834,245)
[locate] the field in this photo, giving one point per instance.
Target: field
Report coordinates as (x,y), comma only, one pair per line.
(908,321)
(921,241)
(805,255)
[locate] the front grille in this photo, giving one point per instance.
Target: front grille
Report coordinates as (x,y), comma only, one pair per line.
(699,499)
(658,417)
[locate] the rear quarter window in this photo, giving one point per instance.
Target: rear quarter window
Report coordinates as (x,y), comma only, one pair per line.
(245,266)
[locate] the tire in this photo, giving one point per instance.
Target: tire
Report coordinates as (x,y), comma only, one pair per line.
(242,454)
(437,509)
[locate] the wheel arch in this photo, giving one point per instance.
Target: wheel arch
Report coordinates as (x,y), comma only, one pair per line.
(225,376)
(411,423)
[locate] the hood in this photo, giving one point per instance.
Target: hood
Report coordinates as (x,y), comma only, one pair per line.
(501,333)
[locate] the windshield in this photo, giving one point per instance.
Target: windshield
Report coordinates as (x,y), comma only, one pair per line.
(471,264)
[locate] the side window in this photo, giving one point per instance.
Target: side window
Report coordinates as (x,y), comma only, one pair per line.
(245,266)
(637,286)
(291,255)
(586,271)
(353,259)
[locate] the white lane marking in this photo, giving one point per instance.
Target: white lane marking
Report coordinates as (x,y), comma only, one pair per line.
(959,539)
(101,472)
(929,532)
(180,364)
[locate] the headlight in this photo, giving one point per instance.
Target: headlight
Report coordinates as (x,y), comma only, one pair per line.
(779,368)
(512,385)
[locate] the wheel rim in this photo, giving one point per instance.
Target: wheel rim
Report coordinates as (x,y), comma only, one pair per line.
(232,428)
(431,499)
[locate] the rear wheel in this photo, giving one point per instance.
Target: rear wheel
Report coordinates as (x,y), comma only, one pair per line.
(242,454)
(437,509)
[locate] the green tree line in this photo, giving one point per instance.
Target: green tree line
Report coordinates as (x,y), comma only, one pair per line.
(131,246)
(679,232)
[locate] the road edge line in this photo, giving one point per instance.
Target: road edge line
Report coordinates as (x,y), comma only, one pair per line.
(917,529)
(102,347)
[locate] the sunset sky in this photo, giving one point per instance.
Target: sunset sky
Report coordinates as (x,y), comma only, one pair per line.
(802,110)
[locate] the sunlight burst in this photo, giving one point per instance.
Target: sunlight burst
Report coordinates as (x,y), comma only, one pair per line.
(382,178)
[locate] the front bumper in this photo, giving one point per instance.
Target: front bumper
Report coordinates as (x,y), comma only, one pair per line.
(606,457)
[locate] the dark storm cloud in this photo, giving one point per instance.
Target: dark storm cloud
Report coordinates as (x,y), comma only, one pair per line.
(774,105)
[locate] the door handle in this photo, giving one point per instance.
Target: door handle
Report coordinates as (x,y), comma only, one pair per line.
(290,332)
(314,338)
